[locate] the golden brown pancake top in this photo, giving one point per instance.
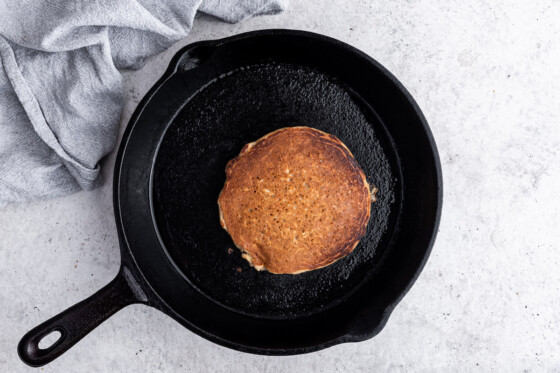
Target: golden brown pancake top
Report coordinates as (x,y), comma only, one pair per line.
(295,200)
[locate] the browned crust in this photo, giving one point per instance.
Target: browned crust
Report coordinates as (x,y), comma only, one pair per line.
(314,201)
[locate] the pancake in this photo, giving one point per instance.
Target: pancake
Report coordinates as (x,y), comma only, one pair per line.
(295,200)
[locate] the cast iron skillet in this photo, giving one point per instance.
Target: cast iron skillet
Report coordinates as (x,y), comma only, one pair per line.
(215,97)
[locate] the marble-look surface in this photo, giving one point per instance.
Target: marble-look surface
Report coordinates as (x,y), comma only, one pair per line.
(487,76)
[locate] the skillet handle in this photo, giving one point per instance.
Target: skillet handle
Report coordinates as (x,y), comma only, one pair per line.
(77,321)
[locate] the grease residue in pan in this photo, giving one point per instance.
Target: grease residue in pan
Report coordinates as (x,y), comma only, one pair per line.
(189,173)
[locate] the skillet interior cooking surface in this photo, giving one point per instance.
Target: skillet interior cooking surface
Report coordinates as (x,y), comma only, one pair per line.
(189,173)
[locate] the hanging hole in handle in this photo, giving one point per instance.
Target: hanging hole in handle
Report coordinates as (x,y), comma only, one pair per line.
(50,340)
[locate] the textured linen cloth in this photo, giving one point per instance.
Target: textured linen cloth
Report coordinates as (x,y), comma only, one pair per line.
(60,86)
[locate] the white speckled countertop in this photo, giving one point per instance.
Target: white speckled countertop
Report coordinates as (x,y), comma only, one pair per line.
(487,77)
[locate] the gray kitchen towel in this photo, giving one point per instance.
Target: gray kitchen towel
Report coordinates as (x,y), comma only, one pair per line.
(60,86)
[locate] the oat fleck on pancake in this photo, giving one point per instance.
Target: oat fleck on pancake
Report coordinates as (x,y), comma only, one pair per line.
(295,200)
